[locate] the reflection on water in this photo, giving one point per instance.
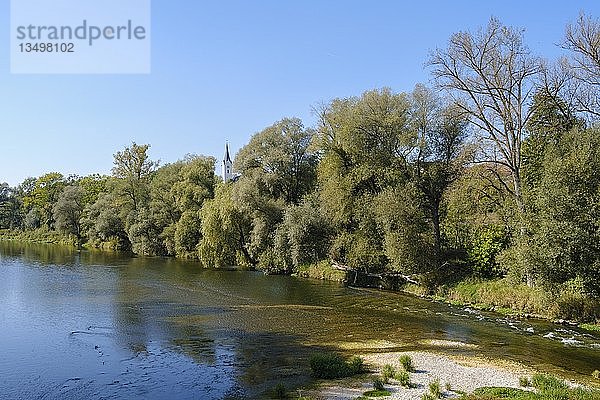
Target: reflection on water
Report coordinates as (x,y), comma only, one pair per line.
(104,325)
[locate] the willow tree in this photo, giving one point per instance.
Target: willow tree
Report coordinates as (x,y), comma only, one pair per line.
(492,76)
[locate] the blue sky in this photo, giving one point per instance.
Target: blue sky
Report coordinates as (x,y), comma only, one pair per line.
(223,70)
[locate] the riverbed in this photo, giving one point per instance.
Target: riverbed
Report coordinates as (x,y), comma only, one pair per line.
(106,325)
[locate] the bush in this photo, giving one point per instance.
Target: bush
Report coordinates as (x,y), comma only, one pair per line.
(378,384)
(388,372)
(403,378)
(406,362)
(524,381)
(356,365)
(596,374)
(435,389)
(280,391)
(333,366)
(546,383)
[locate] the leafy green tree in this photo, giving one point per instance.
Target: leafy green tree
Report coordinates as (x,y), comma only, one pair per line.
(42,194)
(133,169)
(440,157)
(144,234)
(364,144)
(10,204)
(68,210)
(103,224)
(567,234)
(304,236)
(225,231)
(280,157)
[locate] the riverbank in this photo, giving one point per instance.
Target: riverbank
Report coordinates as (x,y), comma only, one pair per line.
(434,376)
(456,376)
(39,236)
(568,306)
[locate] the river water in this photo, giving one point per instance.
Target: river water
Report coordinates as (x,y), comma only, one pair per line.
(99,325)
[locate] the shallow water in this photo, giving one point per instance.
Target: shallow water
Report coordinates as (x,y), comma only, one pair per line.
(100,326)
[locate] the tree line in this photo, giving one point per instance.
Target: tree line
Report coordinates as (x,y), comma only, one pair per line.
(491,172)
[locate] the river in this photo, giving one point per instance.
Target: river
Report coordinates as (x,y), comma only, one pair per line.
(99,325)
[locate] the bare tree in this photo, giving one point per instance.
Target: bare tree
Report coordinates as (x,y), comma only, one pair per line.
(492,77)
(583,40)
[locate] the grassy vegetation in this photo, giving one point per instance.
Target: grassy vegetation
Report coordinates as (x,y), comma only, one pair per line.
(333,366)
(323,271)
(388,372)
(506,297)
(375,393)
(435,389)
(403,378)
(547,388)
(590,327)
(407,363)
(38,236)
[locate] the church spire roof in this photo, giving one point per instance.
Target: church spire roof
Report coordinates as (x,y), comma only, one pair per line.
(227,158)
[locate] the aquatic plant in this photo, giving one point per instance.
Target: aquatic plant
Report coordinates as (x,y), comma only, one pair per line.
(280,391)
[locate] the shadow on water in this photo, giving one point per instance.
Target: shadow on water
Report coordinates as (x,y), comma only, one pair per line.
(105,325)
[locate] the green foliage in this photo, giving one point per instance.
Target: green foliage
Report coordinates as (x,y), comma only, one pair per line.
(333,366)
(435,389)
(524,381)
(280,391)
(403,378)
(485,246)
(379,384)
(547,388)
(596,374)
(68,210)
(388,372)
(376,393)
(407,363)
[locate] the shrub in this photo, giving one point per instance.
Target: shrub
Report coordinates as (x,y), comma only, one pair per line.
(356,365)
(596,374)
(524,381)
(378,384)
(407,364)
(403,378)
(280,391)
(547,383)
(435,389)
(388,372)
(427,396)
(332,366)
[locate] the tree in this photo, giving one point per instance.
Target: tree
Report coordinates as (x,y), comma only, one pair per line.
(491,75)
(10,216)
(225,232)
(439,158)
(68,210)
(281,158)
(364,144)
(41,194)
(133,168)
(583,40)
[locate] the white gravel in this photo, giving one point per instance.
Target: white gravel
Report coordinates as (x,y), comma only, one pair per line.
(462,375)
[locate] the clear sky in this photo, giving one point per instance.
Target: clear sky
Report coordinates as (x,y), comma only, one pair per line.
(223,70)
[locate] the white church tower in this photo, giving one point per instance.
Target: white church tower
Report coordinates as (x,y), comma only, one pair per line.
(227,166)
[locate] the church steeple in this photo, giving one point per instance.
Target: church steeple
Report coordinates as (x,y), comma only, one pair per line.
(227,165)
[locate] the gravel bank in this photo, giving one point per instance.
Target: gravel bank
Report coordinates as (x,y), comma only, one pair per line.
(463,375)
